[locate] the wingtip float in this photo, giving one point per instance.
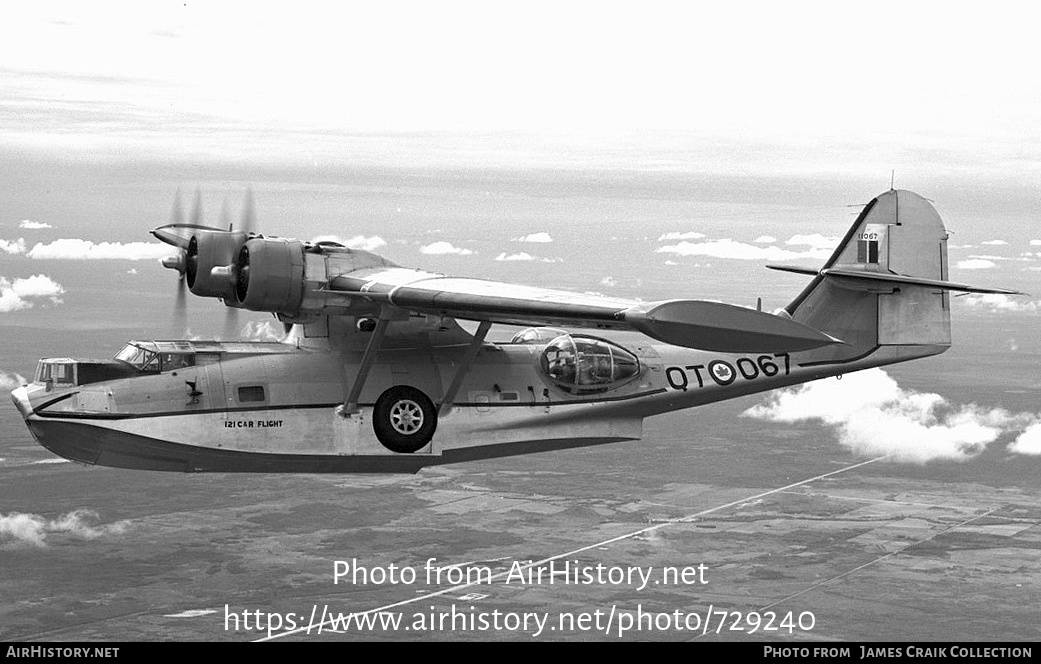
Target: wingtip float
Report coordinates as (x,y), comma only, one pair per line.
(723,328)
(375,375)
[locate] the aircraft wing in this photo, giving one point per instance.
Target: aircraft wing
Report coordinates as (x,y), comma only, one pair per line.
(690,323)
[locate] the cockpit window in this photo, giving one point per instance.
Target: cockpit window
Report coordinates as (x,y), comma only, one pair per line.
(139,358)
(587,364)
(146,357)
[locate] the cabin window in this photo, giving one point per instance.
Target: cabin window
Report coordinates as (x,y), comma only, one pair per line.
(251,393)
(59,373)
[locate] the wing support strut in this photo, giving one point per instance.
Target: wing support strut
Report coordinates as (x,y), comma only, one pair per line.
(464,366)
(350,406)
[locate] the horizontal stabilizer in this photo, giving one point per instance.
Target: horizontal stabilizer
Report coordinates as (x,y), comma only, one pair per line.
(889,277)
(724,328)
(917,281)
(811,271)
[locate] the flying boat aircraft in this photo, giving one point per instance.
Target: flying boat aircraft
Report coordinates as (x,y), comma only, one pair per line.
(375,374)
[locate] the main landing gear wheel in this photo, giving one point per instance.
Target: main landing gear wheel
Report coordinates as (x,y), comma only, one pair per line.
(404,419)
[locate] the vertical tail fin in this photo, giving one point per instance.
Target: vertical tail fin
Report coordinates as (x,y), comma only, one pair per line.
(885,284)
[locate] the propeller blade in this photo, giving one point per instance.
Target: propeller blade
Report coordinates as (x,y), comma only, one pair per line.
(180,314)
(249,221)
(225,216)
(177,214)
(197,209)
(232,327)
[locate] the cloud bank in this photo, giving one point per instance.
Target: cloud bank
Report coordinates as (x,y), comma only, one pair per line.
(976,264)
(443,248)
(357,242)
(262,331)
(13,246)
(692,235)
(1028,442)
(25,293)
(815,241)
(998,303)
(76,249)
(11,381)
(728,248)
(540,238)
(33,529)
(874,416)
(524,256)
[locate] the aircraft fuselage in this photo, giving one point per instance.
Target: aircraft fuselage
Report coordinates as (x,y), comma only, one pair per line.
(259,406)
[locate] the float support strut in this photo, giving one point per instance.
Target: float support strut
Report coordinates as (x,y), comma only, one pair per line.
(350,406)
(464,366)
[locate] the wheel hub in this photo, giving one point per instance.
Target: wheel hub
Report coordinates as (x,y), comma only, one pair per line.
(406,416)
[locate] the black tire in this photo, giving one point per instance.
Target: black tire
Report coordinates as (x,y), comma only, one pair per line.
(404,419)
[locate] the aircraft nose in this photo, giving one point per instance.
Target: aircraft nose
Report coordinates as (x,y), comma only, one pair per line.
(20,397)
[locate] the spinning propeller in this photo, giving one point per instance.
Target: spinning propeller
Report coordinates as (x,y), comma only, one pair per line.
(208,258)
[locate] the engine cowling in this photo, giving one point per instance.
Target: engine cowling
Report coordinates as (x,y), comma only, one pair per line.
(207,250)
(270,275)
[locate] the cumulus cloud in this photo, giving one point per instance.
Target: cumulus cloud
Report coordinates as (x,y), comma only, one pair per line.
(692,235)
(33,529)
(520,256)
(13,246)
(262,331)
(1035,243)
(976,264)
(814,240)
(1028,442)
(608,281)
(997,302)
(540,238)
(21,293)
(11,381)
(994,242)
(765,239)
(741,251)
(876,417)
(33,225)
(76,249)
(357,242)
(442,248)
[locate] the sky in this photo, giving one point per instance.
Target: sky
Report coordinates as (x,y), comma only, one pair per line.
(760,87)
(805,89)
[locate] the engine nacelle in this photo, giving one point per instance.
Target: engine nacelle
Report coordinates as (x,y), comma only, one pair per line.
(207,250)
(270,275)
